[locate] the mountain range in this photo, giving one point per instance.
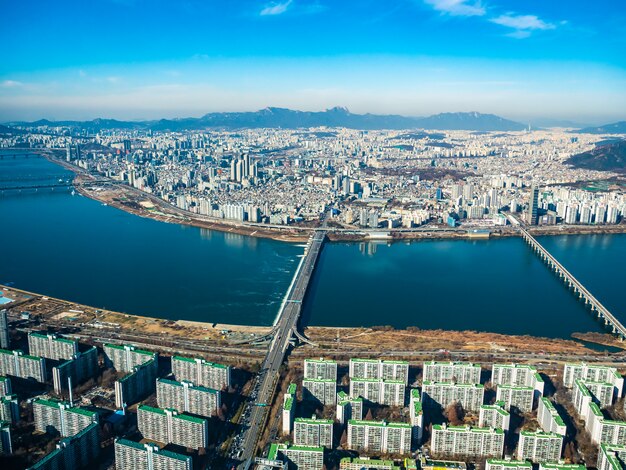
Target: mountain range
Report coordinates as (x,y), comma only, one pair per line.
(614,128)
(609,157)
(290,119)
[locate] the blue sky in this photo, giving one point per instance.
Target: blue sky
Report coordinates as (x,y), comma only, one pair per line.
(134,59)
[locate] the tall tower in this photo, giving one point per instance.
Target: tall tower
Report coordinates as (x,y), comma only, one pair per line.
(533,205)
(4,330)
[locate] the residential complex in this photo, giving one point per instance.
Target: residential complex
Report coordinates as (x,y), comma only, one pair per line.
(81,367)
(137,384)
(508,464)
(348,407)
(518,375)
(379,436)
(6,444)
(549,418)
(378,369)
(322,390)
(466,441)
(170,426)
(201,372)
(518,397)
(125,358)
(75,452)
(416,414)
(289,408)
(612,457)
(320,369)
(385,392)
(494,416)
(297,457)
(52,346)
(17,364)
(458,372)
(470,396)
(539,446)
(9,409)
(593,373)
(184,396)
(5,386)
(130,454)
(313,432)
(54,416)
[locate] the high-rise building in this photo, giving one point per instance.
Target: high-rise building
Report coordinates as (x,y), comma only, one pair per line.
(611,457)
(516,397)
(130,454)
(320,369)
(593,373)
(24,366)
(467,441)
(5,339)
(603,430)
(533,205)
(126,357)
(348,407)
(201,372)
(169,426)
(313,432)
(416,414)
(561,466)
(5,386)
(52,346)
(297,457)
(289,408)
(75,452)
(494,416)
(549,418)
(379,436)
(458,372)
(54,416)
(322,390)
(359,463)
(137,384)
(9,409)
(384,392)
(184,396)
(519,375)
(6,444)
(507,464)
(469,396)
(82,367)
(377,369)
(539,446)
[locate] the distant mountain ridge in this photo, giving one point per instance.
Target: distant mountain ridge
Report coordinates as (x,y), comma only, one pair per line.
(290,119)
(613,128)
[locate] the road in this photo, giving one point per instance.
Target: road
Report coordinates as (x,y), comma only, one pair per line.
(287,322)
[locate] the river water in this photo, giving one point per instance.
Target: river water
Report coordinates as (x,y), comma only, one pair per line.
(72,247)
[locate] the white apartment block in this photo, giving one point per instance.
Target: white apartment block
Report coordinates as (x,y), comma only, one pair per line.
(169,426)
(379,436)
(518,375)
(201,372)
(470,396)
(130,454)
(514,396)
(297,457)
(611,457)
(466,441)
(348,407)
(313,432)
(320,369)
(494,416)
(507,464)
(378,369)
(539,446)
(61,417)
(324,390)
(384,392)
(603,430)
(125,358)
(416,414)
(289,408)
(25,366)
(51,346)
(572,372)
(459,372)
(184,396)
(549,418)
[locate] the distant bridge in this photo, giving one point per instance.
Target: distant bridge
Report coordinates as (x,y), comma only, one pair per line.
(62,184)
(573,283)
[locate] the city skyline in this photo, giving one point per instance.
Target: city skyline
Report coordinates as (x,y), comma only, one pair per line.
(133,59)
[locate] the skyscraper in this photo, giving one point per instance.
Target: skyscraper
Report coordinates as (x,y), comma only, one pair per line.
(533,204)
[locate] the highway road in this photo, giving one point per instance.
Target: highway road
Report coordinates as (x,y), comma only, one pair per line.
(287,323)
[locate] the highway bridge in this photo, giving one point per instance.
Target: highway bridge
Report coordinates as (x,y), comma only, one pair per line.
(61,184)
(285,328)
(579,290)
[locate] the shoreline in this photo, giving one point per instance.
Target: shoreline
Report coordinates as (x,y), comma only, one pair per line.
(142,204)
(102,325)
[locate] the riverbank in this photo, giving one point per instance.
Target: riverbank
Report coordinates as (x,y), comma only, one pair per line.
(142,204)
(37,311)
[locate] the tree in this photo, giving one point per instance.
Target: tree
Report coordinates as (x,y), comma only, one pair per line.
(455,414)
(369,416)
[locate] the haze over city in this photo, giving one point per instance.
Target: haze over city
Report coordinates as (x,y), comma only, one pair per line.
(531,61)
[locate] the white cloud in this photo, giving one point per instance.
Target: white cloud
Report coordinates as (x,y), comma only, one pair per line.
(10,84)
(457,7)
(523,25)
(275,8)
